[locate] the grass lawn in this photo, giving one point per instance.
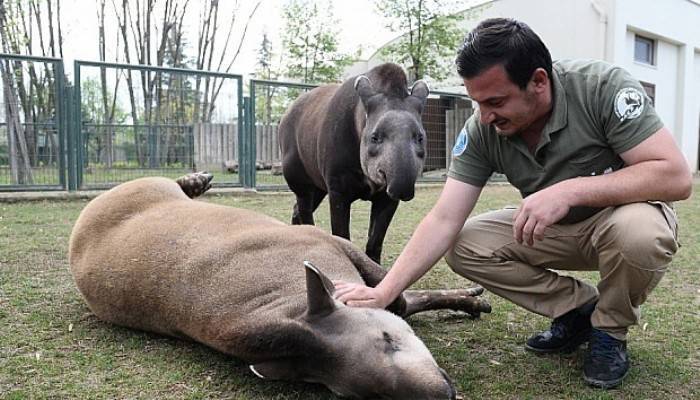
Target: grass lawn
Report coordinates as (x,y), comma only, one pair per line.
(51,346)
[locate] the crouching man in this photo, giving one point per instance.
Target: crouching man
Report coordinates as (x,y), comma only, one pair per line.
(596,168)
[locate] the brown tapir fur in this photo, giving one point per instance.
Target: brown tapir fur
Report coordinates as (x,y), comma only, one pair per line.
(146,256)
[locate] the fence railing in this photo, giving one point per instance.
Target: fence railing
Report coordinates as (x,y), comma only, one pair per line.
(137,120)
(118,122)
(32,123)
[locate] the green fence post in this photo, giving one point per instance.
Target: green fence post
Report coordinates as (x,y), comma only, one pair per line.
(70,138)
(78,126)
(241,125)
(253,139)
(61,123)
(244,164)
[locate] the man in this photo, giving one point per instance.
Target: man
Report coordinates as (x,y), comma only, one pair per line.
(595,166)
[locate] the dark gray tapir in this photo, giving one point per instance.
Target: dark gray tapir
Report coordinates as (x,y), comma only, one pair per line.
(360,140)
(146,256)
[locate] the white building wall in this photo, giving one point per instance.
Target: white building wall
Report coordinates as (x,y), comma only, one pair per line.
(604,29)
(663,76)
(674,25)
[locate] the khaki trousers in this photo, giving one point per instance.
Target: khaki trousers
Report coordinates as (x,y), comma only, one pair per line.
(630,245)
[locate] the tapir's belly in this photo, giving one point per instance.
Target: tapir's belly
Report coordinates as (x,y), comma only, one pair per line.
(184,267)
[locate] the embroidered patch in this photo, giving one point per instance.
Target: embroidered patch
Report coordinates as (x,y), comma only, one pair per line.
(629,103)
(460,143)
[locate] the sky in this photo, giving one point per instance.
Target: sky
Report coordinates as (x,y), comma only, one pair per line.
(359,25)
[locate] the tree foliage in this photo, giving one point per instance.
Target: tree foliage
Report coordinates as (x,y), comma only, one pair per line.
(430,35)
(310,40)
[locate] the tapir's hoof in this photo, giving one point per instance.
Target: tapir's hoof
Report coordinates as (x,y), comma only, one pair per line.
(195,184)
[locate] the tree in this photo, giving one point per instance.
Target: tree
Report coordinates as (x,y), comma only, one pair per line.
(30,27)
(208,32)
(267,101)
(430,35)
(310,42)
(98,137)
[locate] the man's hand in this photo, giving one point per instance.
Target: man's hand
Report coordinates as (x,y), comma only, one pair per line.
(357,295)
(538,211)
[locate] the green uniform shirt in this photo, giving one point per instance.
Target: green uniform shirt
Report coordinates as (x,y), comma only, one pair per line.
(599,111)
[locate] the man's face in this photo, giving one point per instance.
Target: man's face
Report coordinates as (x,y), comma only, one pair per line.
(501,102)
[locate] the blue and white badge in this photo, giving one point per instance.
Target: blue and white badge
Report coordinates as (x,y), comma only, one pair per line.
(460,143)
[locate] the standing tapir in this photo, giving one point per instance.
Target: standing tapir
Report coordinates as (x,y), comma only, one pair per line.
(146,256)
(360,140)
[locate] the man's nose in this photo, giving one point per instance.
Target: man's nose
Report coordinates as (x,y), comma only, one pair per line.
(487,117)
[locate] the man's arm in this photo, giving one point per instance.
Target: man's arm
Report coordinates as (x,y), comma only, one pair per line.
(655,170)
(433,237)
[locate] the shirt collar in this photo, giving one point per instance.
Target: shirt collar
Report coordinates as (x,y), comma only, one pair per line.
(557,121)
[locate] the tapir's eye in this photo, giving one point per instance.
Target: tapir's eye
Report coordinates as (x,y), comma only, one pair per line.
(418,138)
(375,138)
(390,346)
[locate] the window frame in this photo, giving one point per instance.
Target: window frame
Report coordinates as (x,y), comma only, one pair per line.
(651,60)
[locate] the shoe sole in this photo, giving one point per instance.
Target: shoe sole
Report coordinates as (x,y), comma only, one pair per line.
(605,384)
(569,347)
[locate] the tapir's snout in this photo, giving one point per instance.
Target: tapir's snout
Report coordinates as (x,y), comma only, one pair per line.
(441,388)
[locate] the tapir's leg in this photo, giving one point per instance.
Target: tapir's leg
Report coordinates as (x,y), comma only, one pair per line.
(383,209)
(195,184)
(414,301)
(307,203)
(340,214)
(453,299)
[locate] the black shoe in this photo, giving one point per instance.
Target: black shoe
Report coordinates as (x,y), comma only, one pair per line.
(566,333)
(607,363)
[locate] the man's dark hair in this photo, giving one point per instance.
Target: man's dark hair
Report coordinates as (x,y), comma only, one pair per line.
(507,42)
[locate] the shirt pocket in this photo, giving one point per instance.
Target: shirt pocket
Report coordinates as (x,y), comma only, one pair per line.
(598,162)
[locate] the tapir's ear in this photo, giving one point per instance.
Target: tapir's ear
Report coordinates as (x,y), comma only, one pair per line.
(363,87)
(420,89)
(278,370)
(420,92)
(319,292)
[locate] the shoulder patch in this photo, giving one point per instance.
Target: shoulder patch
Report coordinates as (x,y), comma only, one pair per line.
(460,143)
(629,103)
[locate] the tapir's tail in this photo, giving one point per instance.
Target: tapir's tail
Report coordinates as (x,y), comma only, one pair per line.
(195,184)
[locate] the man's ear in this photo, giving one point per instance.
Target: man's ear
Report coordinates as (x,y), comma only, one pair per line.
(540,79)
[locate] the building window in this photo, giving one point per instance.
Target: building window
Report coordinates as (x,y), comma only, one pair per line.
(650,90)
(644,50)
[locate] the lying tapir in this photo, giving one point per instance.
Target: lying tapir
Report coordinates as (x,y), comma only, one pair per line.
(146,256)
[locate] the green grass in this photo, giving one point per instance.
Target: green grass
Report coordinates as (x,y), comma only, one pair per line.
(51,346)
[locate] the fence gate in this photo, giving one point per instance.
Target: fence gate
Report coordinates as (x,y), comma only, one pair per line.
(269,101)
(138,120)
(32,123)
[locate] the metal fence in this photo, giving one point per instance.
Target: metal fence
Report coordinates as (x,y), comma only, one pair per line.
(443,117)
(32,119)
(269,101)
(118,122)
(137,120)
